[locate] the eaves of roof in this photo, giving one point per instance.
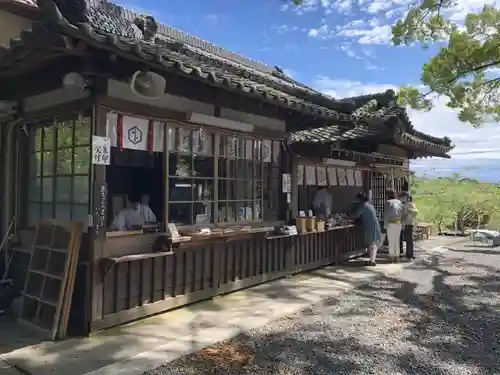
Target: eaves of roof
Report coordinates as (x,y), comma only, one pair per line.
(114,19)
(111,27)
(377,132)
(108,28)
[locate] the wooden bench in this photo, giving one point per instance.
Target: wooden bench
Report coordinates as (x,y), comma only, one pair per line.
(424,230)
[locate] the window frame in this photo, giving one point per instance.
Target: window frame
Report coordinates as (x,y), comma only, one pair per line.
(36,171)
(257,179)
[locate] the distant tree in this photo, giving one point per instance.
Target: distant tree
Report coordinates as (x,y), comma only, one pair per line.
(447,202)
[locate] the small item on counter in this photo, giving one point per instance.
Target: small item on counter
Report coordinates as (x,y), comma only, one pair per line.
(310,213)
(286,230)
(320,226)
(280,230)
(302,213)
(311,224)
(172,230)
(300,222)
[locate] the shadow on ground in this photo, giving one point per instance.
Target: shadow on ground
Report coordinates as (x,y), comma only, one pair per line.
(453,327)
(78,356)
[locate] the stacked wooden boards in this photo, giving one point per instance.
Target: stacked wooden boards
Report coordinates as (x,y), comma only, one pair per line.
(48,290)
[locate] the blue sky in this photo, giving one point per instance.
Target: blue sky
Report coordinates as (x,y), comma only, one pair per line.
(342,47)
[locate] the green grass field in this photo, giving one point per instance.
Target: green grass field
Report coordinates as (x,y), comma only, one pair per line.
(440,201)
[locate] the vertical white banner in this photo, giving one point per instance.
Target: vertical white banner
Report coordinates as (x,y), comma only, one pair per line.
(158,134)
(266,151)
(111,123)
(332,176)
(310,175)
(300,174)
(321,176)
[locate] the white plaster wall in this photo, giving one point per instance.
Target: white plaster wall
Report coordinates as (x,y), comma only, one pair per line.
(11,26)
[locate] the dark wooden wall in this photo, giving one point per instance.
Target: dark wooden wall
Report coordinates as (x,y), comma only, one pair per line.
(134,289)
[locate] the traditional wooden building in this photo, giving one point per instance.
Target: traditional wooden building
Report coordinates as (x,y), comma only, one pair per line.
(98,103)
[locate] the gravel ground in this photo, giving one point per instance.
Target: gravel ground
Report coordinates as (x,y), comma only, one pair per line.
(439,315)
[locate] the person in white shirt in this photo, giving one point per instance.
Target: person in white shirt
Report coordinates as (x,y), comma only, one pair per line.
(134,215)
(322,204)
(145,211)
(128,218)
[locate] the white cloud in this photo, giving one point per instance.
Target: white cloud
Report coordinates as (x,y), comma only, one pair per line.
(212,18)
(325,6)
(369,35)
(281,29)
(359,31)
(472,146)
(322,33)
(383,14)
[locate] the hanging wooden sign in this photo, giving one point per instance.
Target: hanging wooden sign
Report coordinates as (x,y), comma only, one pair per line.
(286,183)
(101,150)
(266,151)
(350,177)
(321,176)
(310,175)
(248,149)
(358,176)
(231,147)
(332,176)
(342,177)
(276,151)
(300,174)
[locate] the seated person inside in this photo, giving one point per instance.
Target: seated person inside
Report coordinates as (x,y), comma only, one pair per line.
(135,214)
(145,211)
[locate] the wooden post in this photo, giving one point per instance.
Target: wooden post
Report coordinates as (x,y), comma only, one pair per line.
(99,223)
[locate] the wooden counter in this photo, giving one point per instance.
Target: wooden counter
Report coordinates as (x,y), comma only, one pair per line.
(145,282)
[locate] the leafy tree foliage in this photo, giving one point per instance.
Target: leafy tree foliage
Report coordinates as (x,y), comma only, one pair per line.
(464,68)
(454,200)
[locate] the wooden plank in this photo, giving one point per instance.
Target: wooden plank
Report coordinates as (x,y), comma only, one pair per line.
(47,295)
(70,285)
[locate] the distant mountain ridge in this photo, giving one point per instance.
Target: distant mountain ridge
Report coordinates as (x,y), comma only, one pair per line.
(483,170)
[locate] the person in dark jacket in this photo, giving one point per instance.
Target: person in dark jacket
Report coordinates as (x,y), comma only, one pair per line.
(410,213)
(371,226)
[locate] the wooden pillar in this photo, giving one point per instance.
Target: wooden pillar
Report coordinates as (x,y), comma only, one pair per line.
(285,207)
(99,202)
(294,205)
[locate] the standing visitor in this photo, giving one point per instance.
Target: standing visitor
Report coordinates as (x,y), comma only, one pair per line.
(393,215)
(322,204)
(410,213)
(371,226)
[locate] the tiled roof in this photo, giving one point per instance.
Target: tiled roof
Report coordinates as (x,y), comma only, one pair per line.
(383,120)
(108,26)
(170,33)
(27,2)
(123,32)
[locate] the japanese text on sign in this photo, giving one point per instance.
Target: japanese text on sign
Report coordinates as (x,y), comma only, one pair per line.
(101,150)
(287,183)
(100,209)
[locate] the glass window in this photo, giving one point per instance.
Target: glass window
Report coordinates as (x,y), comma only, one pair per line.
(239,167)
(191,176)
(227,184)
(82,131)
(59,170)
